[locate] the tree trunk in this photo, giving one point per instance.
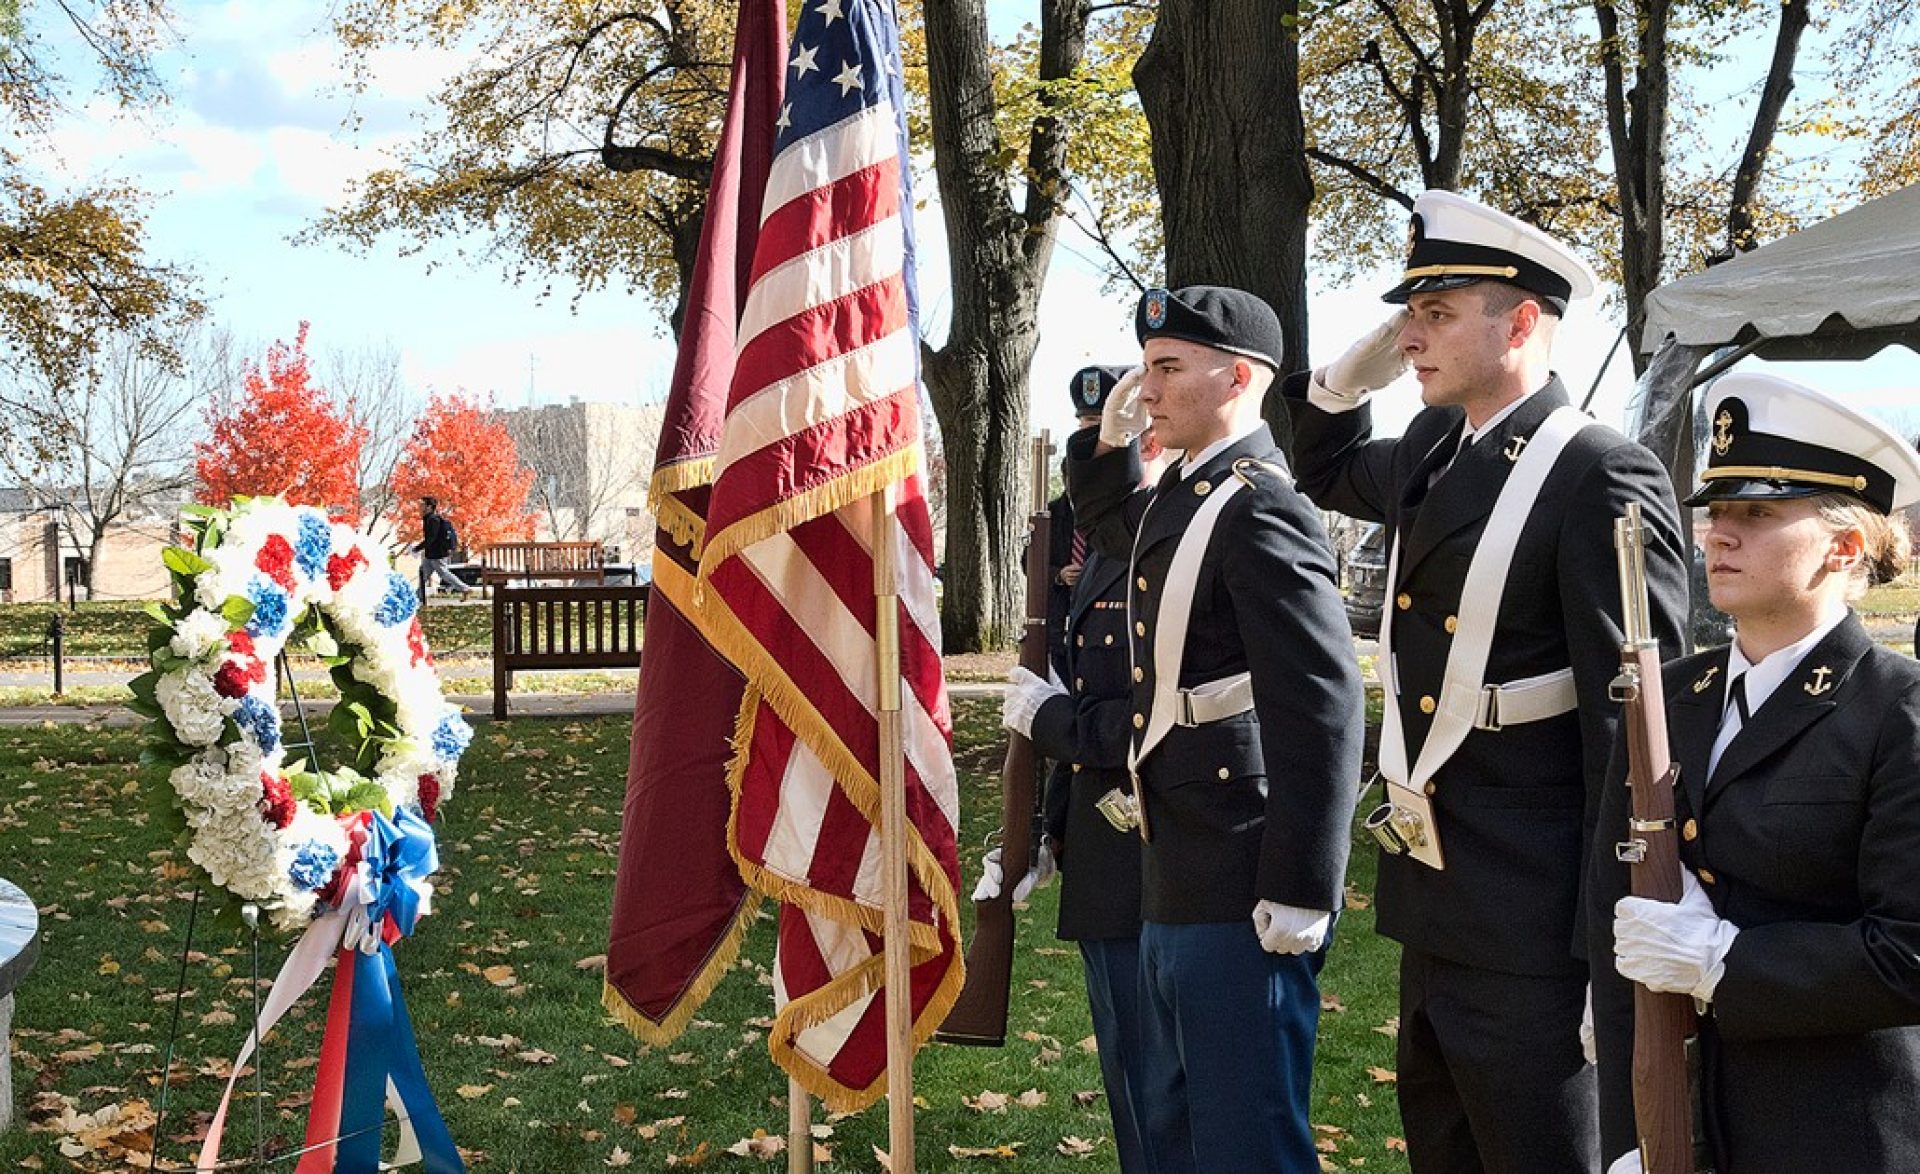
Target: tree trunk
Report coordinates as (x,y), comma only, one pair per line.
(998,255)
(1220,86)
(1794,18)
(1637,127)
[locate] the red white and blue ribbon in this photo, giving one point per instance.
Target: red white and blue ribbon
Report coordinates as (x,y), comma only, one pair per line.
(369,1059)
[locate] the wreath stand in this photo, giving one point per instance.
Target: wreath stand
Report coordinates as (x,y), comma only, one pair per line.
(250,915)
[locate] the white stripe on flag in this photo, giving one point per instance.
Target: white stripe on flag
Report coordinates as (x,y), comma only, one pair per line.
(844,946)
(824,274)
(831,153)
(821,393)
(796,825)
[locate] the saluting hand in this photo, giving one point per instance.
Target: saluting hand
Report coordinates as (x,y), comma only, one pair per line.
(1367,366)
(1124,416)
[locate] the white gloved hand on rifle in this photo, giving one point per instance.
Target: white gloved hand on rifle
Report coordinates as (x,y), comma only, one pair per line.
(1673,948)
(1025,694)
(1124,417)
(1287,929)
(991,879)
(1627,1163)
(1367,366)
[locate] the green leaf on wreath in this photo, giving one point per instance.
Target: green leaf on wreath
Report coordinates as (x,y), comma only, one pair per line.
(369,796)
(237,610)
(182,561)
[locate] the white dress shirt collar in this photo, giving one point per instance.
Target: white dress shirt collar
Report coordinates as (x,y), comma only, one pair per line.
(1213,450)
(1774,668)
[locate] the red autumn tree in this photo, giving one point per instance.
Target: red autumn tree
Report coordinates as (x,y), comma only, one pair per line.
(283,435)
(460,453)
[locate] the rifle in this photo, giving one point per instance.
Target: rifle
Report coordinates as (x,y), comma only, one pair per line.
(979,1015)
(1662,1023)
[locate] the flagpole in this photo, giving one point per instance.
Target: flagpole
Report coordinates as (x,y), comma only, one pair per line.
(893,845)
(799,1129)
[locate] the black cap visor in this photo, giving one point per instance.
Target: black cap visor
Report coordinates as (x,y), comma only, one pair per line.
(1743,489)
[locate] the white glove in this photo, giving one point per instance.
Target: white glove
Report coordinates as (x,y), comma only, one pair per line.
(1284,929)
(1627,1163)
(1589,1043)
(1678,949)
(1025,694)
(991,879)
(1367,366)
(1124,416)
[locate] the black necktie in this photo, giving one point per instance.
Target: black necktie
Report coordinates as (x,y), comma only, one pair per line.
(1739,691)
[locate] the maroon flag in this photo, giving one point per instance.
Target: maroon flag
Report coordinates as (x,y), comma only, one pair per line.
(680,906)
(823,418)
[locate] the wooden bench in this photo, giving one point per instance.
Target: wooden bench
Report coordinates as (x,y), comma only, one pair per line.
(540,562)
(548,628)
(19,949)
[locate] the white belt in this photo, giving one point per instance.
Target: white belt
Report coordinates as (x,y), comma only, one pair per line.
(1494,707)
(1214,701)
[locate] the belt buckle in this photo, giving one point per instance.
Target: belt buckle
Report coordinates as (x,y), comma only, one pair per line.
(1397,829)
(1120,809)
(1183,713)
(1490,707)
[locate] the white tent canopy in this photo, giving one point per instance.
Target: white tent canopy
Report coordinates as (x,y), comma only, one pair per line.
(1842,288)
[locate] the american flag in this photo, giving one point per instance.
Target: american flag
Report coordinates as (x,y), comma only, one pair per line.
(824,413)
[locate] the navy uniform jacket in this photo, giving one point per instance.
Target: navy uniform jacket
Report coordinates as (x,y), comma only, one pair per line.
(1086,735)
(1514,805)
(1257,806)
(1807,838)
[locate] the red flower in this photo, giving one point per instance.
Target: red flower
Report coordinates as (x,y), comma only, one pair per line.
(429,796)
(280,803)
(276,559)
(232,679)
(241,641)
(340,567)
(417,642)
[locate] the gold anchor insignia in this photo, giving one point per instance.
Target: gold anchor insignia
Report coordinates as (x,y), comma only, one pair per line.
(1706,679)
(1722,432)
(1512,452)
(1819,684)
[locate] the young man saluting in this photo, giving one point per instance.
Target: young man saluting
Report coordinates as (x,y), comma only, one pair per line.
(1247,724)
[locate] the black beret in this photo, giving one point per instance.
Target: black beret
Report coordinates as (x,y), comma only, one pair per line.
(1090,388)
(1212,315)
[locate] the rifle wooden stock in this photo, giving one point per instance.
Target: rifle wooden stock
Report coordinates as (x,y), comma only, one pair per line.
(1662,1023)
(979,1015)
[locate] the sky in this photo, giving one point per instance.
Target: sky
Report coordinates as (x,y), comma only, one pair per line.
(252,149)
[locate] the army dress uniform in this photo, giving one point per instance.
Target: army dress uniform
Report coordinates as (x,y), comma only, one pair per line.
(1491,1074)
(1086,734)
(1066,546)
(1239,808)
(1804,834)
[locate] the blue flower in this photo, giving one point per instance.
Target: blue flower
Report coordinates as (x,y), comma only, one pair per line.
(269,607)
(399,603)
(313,865)
(451,736)
(259,719)
(314,543)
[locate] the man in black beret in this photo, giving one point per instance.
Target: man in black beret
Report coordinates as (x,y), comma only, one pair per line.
(1067,549)
(1246,728)
(1500,636)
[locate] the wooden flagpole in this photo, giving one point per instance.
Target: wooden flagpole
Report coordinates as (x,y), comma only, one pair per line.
(893,844)
(799,1129)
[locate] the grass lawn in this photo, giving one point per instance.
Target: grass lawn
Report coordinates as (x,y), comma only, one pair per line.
(504,987)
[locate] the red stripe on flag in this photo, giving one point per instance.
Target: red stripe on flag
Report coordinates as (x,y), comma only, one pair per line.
(819,333)
(825,214)
(804,460)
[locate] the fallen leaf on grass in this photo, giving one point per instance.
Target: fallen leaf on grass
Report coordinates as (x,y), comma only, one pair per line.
(761,1145)
(698,1157)
(1397,1144)
(1382,1075)
(1033,1098)
(998,1153)
(500,975)
(593,962)
(470,1092)
(536,1056)
(619,1157)
(1331,1002)
(1075,1147)
(1391,1028)
(987,1102)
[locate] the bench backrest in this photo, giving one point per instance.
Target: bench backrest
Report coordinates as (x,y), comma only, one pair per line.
(502,562)
(564,628)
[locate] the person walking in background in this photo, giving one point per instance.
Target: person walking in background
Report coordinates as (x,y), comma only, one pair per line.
(438,541)
(1798,807)
(1500,635)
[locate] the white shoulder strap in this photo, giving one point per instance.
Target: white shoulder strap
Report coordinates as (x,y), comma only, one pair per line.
(1176,607)
(1479,610)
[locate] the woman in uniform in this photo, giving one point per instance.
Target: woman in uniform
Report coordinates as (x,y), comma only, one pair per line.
(1798,804)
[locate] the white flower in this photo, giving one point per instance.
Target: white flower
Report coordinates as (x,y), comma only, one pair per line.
(198,633)
(193,708)
(207,782)
(238,853)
